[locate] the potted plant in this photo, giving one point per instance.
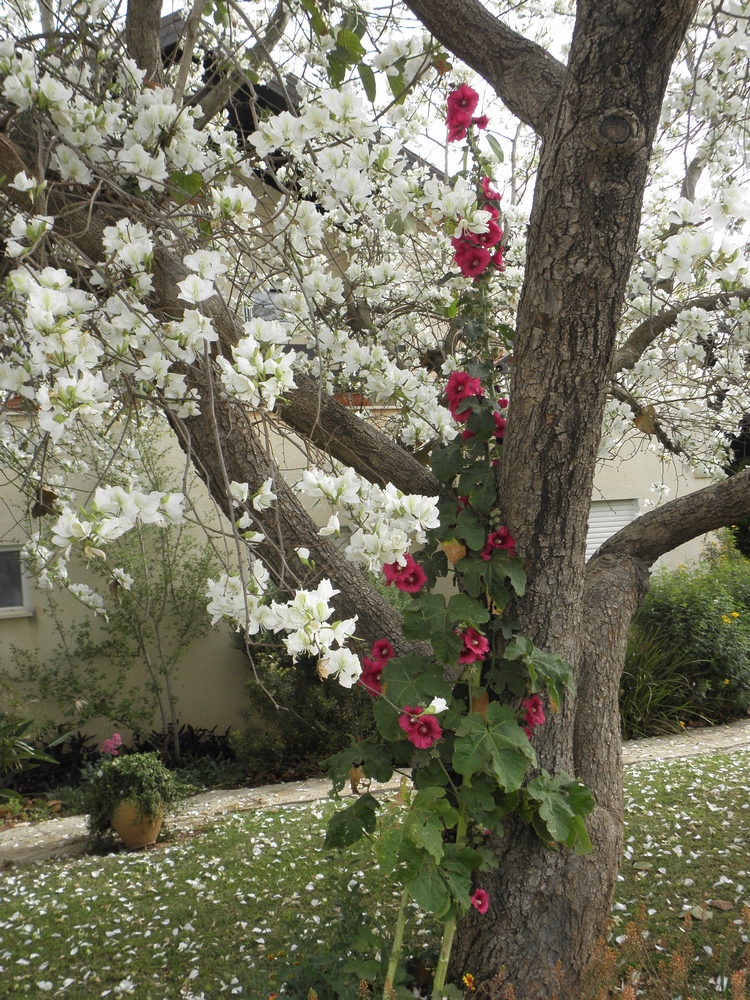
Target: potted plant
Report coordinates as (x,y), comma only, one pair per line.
(128,795)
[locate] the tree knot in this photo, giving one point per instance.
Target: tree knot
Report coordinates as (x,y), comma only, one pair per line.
(619,131)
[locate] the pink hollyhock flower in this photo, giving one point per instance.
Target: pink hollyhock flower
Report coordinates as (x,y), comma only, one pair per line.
(534,713)
(460,386)
(480,901)
(471,260)
(500,539)
(421,730)
(382,650)
(410,578)
(497,260)
(499,426)
(370,676)
(112,745)
(502,403)
(488,191)
(481,122)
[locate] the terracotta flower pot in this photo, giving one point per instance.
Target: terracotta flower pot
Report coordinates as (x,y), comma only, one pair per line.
(134,829)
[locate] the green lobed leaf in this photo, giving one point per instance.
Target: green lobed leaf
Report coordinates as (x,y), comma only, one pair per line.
(430,815)
(386,719)
(349,825)
(446,463)
(458,865)
(496,746)
(466,609)
(374,760)
(561,803)
(429,891)
(471,529)
(412,680)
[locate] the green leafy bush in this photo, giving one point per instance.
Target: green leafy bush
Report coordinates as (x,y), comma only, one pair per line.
(688,656)
(302,718)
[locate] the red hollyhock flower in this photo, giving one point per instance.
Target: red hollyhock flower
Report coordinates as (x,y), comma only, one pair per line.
(421,730)
(499,426)
(458,127)
(480,901)
(471,260)
(534,713)
(382,650)
(502,403)
(460,386)
(370,676)
(497,260)
(489,239)
(481,122)
(463,99)
(410,578)
(488,191)
(475,641)
(500,539)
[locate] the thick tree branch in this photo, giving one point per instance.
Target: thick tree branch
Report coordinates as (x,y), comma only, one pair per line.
(646,332)
(142,33)
(661,530)
(525,76)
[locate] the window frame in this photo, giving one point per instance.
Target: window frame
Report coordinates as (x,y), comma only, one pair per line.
(26,609)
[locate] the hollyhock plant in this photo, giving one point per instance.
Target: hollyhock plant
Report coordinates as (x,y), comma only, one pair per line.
(409,578)
(500,539)
(480,901)
(488,191)
(421,729)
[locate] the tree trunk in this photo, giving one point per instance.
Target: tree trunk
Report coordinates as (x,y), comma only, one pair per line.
(548,907)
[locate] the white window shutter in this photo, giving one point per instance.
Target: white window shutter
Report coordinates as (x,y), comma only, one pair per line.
(605,519)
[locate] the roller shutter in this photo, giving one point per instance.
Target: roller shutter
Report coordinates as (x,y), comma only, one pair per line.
(606,518)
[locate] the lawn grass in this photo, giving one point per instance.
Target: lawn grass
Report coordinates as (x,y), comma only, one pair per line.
(238,909)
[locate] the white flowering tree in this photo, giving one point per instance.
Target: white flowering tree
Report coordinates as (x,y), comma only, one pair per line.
(154,200)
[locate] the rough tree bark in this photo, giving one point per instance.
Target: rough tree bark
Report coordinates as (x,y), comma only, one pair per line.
(598,128)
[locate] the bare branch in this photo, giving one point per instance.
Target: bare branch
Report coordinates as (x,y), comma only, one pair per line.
(187,43)
(523,74)
(646,332)
(621,393)
(681,520)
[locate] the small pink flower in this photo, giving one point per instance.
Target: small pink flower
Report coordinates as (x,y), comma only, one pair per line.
(500,539)
(112,745)
(421,730)
(480,901)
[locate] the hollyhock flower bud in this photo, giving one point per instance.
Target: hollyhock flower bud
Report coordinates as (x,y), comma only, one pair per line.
(480,901)
(421,729)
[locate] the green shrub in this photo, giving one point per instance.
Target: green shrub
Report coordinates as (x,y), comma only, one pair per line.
(689,650)
(303,719)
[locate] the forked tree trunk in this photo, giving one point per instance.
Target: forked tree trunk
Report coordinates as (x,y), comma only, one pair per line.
(548,907)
